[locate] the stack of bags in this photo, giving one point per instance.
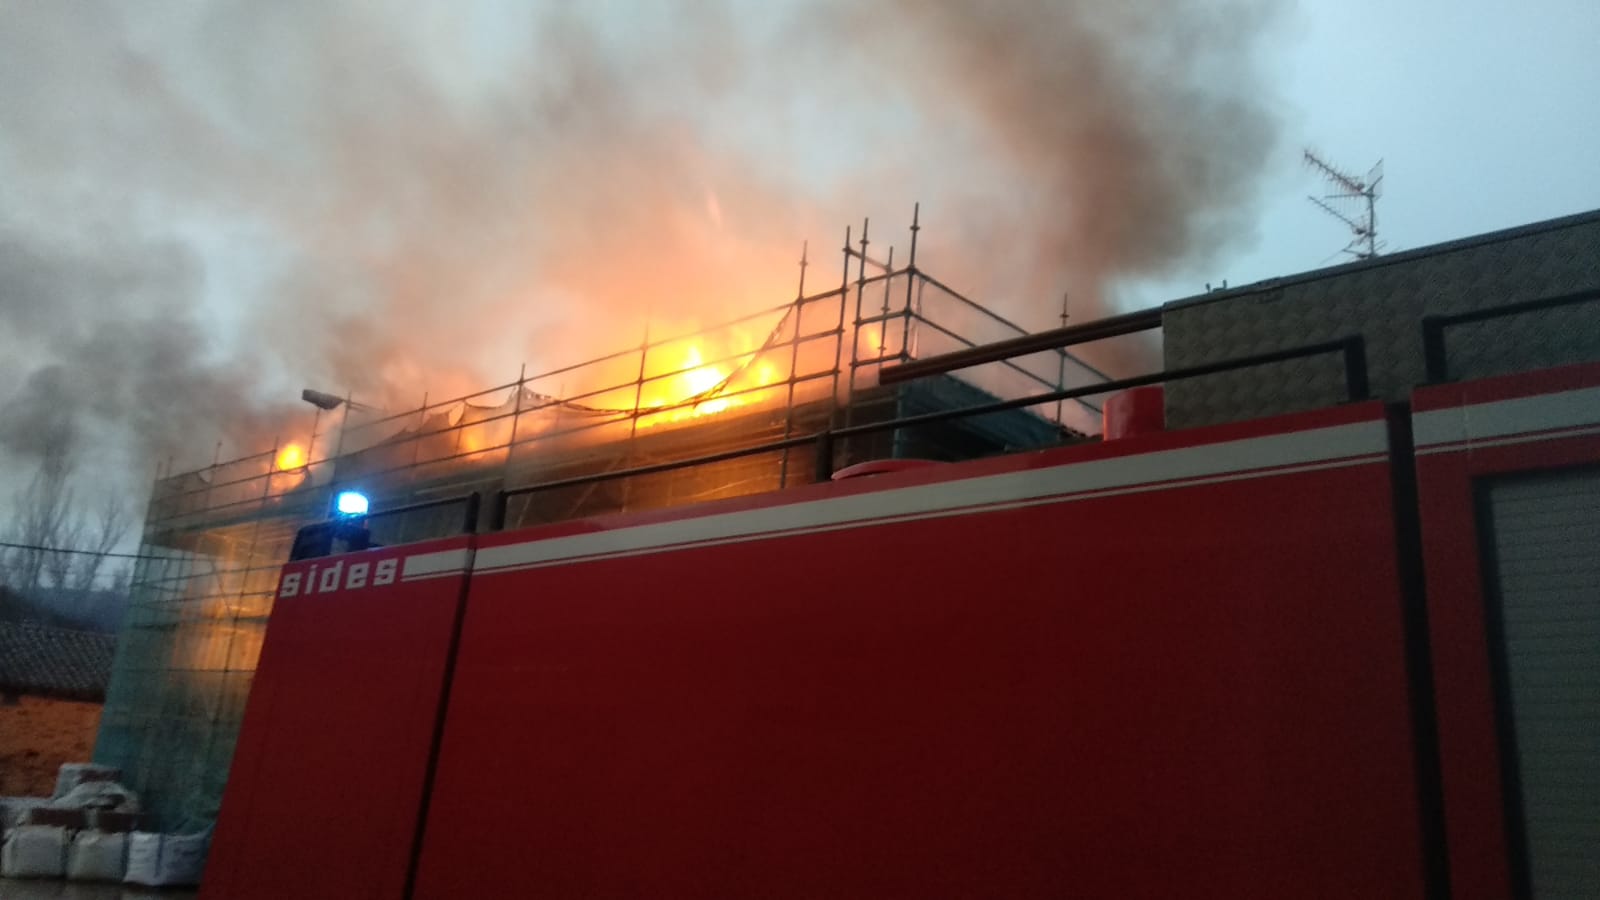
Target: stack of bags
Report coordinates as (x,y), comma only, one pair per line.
(79,832)
(90,831)
(165,860)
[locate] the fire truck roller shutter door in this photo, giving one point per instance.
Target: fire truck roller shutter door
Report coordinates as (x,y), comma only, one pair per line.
(1544,594)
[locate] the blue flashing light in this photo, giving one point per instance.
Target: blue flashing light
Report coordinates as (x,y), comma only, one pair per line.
(351,503)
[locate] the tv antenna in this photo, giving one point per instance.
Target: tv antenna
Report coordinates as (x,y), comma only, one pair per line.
(1352,200)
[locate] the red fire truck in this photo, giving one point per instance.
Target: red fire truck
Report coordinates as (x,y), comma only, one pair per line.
(1347,651)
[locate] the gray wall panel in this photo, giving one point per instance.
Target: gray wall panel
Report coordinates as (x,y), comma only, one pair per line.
(1385,300)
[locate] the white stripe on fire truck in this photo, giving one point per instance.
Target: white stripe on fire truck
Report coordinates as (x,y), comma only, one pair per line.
(934,514)
(1527,438)
(1353,444)
(1469,424)
(436,565)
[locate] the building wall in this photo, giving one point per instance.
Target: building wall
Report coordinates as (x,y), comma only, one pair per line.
(1384,300)
(37,735)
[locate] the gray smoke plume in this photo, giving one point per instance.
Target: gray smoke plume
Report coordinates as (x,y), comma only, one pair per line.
(205,208)
(102,336)
(1114,139)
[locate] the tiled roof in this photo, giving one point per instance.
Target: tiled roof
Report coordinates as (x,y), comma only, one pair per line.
(35,659)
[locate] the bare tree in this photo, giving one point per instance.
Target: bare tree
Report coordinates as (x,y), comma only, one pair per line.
(56,544)
(42,518)
(62,560)
(122,579)
(58,551)
(111,524)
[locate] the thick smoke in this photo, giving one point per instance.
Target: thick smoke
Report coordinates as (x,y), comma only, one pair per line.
(1113,139)
(205,208)
(106,350)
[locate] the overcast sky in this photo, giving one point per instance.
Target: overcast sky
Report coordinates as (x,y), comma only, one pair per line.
(1486,114)
(205,208)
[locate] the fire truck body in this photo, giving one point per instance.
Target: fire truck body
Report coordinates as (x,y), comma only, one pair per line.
(1069,671)
(1345,652)
(1175,662)
(1508,478)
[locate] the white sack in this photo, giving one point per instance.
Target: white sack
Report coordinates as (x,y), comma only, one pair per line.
(144,858)
(96,856)
(34,851)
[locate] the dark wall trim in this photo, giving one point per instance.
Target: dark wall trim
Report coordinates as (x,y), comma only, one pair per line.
(1500,677)
(1419,654)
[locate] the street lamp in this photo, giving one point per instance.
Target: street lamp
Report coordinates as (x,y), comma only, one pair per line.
(321,400)
(325,401)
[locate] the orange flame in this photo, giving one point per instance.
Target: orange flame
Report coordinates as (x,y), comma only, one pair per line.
(292,456)
(691,379)
(701,378)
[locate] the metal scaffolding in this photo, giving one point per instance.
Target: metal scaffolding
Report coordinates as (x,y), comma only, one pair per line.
(215,538)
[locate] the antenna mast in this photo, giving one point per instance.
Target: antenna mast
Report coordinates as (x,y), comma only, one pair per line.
(1347,190)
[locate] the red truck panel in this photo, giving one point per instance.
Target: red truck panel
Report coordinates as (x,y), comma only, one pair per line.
(327,779)
(1464,432)
(1097,672)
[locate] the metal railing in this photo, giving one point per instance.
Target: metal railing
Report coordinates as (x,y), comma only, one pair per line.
(1056,339)
(470,504)
(825,345)
(813,352)
(1351,348)
(314,540)
(1435,357)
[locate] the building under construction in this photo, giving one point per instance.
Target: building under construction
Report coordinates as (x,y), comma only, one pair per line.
(598,437)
